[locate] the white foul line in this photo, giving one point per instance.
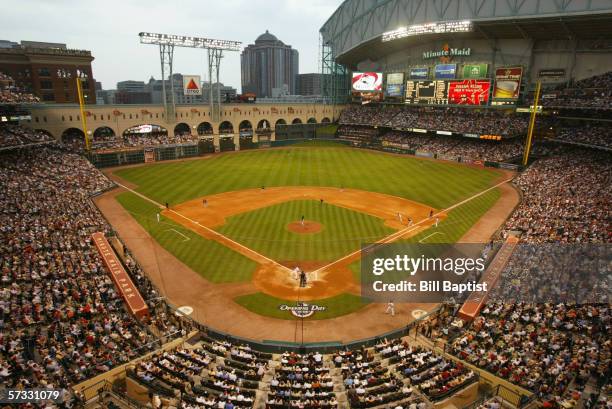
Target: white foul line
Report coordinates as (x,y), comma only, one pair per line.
(428,236)
(213,232)
(178,232)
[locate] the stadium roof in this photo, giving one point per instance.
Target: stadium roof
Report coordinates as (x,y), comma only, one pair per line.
(357,25)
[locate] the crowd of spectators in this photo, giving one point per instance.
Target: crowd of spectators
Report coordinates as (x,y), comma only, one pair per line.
(450,119)
(112,143)
(195,378)
(592,92)
(434,376)
(61,318)
(597,135)
(301,381)
(566,198)
(543,347)
(454,146)
(10,94)
(370,383)
(359,135)
(11,135)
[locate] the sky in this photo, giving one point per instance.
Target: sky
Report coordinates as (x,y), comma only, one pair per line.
(109,29)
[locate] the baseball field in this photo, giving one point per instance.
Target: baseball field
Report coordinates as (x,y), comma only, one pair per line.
(244,221)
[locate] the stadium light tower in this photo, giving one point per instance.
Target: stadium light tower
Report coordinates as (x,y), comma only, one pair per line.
(215,49)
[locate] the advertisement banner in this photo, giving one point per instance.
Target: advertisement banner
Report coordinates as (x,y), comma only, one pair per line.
(192,85)
(475,70)
(419,73)
(445,71)
(469,92)
(124,284)
(507,83)
(367,81)
(551,73)
(395,78)
(395,90)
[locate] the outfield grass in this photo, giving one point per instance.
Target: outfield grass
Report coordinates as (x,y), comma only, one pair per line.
(264,230)
(205,257)
(433,183)
(267,305)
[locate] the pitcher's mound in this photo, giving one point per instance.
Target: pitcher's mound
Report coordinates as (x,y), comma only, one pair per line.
(308,227)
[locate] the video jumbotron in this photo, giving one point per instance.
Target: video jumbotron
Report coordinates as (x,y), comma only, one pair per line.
(335,204)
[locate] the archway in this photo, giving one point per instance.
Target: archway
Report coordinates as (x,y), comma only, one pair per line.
(263,124)
(245,130)
(311,121)
(72,135)
(296,121)
(205,128)
(103,133)
(245,126)
(145,134)
(182,129)
(226,127)
(325,120)
(280,122)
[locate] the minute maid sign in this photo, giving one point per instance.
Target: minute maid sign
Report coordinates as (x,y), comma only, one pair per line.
(302,309)
(446,53)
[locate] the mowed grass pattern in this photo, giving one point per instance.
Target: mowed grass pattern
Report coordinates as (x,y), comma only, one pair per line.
(211,260)
(433,183)
(264,230)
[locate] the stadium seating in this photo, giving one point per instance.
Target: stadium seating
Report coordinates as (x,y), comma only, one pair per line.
(62,319)
(10,94)
(592,92)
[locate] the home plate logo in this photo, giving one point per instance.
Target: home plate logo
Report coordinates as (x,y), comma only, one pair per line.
(301,309)
(191,85)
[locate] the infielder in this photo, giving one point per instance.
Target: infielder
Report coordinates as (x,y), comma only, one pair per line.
(390,308)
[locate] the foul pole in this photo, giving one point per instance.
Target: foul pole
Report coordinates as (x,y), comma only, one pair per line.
(82,109)
(534,111)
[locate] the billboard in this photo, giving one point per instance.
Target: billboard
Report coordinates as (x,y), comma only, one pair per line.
(469,92)
(395,90)
(395,78)
(427,92)
(445,71)
(395,84)
(192,85)
(475,70)
(507,82)
(367,81)
(551,73)
(419,73)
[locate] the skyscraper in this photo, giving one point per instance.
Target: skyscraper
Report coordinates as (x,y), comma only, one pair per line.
(268,64)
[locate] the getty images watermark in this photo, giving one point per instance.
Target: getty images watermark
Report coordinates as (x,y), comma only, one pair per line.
(433,273)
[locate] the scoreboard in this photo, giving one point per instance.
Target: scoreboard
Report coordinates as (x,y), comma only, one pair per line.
(427,92)
(468,92)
